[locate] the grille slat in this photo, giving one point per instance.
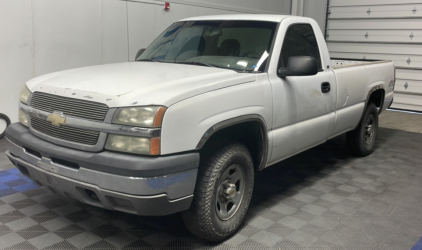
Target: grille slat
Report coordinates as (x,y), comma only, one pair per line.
(41,127)
(64,104)
(75,114)
(47,96)
(68,112)
(65,133)
(66,100)
(47,106)
(69,107)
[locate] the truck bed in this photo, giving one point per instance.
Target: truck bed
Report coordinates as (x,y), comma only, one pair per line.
(342,63)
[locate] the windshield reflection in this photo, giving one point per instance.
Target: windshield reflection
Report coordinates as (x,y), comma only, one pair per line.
(237,45)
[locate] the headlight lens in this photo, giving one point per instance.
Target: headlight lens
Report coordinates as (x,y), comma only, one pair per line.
(25,95)
(140,116)
(23,117)
(135,145)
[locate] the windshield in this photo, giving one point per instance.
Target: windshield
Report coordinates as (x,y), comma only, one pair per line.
(237,45)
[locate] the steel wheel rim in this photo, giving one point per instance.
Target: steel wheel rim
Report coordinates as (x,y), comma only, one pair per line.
(230,191)
(369,130)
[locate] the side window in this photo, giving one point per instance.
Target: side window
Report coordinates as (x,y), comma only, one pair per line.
(300,40)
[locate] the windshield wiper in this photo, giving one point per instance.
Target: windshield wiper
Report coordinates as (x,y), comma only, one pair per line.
(147,60)
(206,64)
(201,64)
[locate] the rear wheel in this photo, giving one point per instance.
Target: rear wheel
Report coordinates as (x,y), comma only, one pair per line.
(223,192)
(361,141)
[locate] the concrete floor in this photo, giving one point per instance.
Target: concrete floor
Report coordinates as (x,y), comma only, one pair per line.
(320,199)
(400,120)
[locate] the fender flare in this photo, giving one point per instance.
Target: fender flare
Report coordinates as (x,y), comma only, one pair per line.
(372,90)
(237,120)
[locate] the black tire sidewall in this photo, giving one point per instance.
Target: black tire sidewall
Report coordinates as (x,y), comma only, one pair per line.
(228,226)
(201,219)
(5,118)
(370,111)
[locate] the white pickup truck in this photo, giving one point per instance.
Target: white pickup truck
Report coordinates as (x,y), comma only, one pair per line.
(185,126)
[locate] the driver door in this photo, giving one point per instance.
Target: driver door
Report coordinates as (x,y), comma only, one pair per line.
(302,113)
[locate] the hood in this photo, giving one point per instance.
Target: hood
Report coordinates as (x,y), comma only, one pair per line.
(137,83)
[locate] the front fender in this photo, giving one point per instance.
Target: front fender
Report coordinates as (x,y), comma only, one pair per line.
(186,122)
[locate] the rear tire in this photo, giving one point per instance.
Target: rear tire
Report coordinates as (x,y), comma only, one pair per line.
(361,141)
(223,192)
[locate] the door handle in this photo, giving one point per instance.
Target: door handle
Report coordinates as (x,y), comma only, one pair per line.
(325,87)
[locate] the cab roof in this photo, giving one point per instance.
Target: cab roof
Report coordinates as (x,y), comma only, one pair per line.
(243,17)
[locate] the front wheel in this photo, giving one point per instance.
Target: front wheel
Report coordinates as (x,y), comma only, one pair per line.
(361,141)
(222,194)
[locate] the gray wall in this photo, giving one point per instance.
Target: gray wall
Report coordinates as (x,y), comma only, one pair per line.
(316,9)
(43,36)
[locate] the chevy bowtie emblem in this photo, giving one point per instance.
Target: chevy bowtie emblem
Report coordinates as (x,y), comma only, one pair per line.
(56,119)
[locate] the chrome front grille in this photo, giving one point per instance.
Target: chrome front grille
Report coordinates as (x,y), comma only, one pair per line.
(69,106)
(70,134)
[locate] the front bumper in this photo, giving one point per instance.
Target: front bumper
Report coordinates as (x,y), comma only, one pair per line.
(68,172)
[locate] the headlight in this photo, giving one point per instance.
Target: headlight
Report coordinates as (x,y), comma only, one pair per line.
(23,117)
(135,145)
(140,116)
(25,95)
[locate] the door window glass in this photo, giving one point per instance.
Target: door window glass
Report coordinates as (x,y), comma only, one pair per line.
(300,40)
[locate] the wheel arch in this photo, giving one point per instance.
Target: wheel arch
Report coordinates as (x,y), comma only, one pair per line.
(376,95)
(251,130)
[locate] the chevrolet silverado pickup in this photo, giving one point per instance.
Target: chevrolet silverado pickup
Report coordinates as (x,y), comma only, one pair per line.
(185,126)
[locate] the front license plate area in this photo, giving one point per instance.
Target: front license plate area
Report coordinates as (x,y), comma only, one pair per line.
(47,166)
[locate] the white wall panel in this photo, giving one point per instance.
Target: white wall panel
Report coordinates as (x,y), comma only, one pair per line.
(381,36)
(229,3)
(381,30)
(67,34)
(202,11)
(15,53)
(382,11)
(408,74)
(242,6)
(263,5)
(398,49)
(43,36)
(317,10)
(408,86)
(406,101)
(163,19)
(114,32)
(141,27)
(279,6)
(382,24)
(370,2)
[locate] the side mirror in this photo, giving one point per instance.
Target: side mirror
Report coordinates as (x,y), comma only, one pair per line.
(299,66)
(139,53)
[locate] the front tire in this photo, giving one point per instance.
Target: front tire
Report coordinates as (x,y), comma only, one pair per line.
(361,141)
(223,193)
